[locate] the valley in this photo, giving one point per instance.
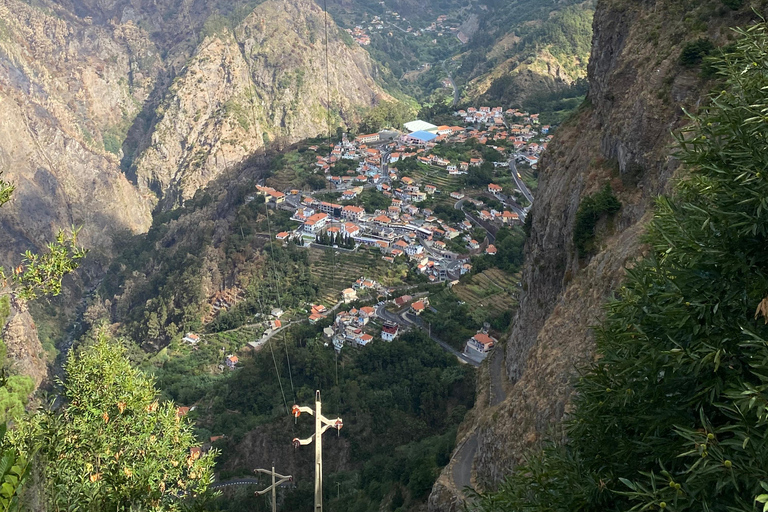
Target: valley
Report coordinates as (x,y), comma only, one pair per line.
(486,231)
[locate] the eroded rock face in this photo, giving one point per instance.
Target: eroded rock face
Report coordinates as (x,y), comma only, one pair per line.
(22,344)
(263,81)
(622,136)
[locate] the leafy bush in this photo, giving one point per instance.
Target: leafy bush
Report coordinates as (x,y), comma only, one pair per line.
(694,52)
(591,209)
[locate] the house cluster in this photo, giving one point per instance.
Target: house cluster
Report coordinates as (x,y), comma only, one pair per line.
(359,35)
(349,327)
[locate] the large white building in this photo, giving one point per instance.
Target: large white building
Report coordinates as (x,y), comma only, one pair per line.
(419,125)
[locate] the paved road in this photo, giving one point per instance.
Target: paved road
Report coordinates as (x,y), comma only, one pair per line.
(462,470)
(405,319)
(453,84)
(518,182)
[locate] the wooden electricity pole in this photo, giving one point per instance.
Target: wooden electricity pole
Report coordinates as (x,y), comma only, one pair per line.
(321,425)
(274,485)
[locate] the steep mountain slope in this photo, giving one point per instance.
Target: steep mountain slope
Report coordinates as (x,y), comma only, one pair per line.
(78,97)
(109,108)
(264,81)
(65,86)
(620,136)
(522,48)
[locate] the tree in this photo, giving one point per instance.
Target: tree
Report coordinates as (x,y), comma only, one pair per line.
(37,274)
(114,446)
(672,414)
(41,274)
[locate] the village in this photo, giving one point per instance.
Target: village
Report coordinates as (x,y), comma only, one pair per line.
(436,230)
(392,20)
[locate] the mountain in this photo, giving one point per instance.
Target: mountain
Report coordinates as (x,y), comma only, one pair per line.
(262,81)
(103,118)
(523,48)
(640,79)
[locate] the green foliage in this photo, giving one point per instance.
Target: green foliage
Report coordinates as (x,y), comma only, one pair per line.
(510,243)
(372,200)
(694,52)
(387,114)
(401,402)
(14,468)
(672,414)
(6,189)
(41,274)
(5,310)
(113,446)
(14,395)
(591,209)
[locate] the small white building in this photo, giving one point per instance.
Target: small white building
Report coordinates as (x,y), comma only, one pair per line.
(479,345)
(389,332)
(191,338)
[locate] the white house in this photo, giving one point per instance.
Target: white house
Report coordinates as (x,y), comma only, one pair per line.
(479,345)
(191,338)
(389,332)
(315,222)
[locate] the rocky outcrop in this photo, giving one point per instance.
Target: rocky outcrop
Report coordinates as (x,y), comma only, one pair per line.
(622,136)
(22,344)
(67,90)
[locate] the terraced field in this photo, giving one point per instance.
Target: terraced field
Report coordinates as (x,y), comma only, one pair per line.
(340,271)
(491,291)
(440,178)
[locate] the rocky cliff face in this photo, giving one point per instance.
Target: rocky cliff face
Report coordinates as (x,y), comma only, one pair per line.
(19,334)
(621,136)
(66,87)
(263,81)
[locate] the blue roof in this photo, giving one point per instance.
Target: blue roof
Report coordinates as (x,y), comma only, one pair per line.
(422,135)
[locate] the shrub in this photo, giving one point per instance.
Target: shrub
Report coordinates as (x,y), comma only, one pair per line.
(694,52)
(591,209)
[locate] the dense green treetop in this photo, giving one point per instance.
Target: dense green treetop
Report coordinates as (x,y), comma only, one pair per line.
(113,445)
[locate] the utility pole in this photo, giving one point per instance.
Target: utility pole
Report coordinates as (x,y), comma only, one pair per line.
(321,425)
(274,485)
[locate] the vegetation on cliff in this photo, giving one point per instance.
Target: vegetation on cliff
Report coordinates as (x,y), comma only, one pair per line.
(672,415)
(113,445)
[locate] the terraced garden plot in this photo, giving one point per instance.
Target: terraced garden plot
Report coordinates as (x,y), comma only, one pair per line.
(438,177)
(490,292)
(296,168)
(342,270)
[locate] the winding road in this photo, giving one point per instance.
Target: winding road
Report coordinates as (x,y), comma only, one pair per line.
(453,84)
(405,319)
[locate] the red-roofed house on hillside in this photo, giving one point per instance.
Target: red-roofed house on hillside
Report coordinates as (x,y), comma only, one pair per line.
(352,213)
(315,222)
(389,331)
(419,306)
(494,188)
(491,249)
(479,345)
(364,139)
(231,361)
(400,301)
